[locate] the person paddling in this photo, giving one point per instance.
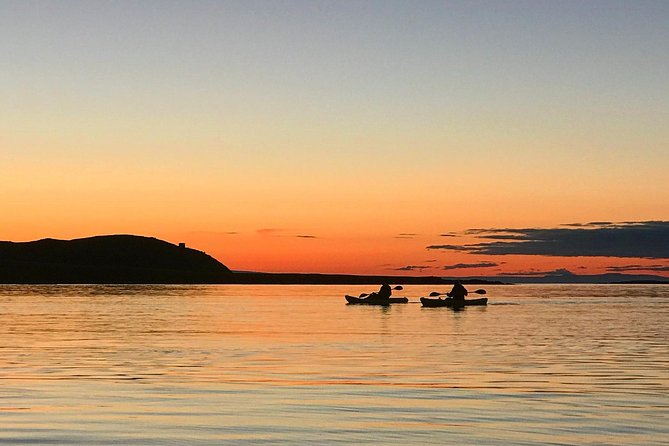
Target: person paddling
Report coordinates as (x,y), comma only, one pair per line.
(458,293)
(382,296)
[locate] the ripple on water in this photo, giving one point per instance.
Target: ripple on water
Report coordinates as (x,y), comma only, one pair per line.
(165,365)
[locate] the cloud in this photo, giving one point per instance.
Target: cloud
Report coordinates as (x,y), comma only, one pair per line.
(281,232)
(412,268)
(452,247)
(269,231)
(627,268)
(561,272)
(591,224)
(212,233)
(470,265)
(648,239)
(449,234)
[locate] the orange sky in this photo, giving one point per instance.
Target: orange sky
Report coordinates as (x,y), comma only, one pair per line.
(350,124)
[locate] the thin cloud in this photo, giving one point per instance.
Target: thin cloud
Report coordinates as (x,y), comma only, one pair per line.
(269,231)
(649,239)
(470,265)
(212,233)
(281,232)
(562,272)
(627,268)
(590,224)
(452,247)
(412,268)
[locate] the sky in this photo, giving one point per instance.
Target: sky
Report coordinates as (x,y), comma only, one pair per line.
(344,137)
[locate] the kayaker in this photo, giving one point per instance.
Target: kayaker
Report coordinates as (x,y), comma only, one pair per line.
(383,295)
(458,293)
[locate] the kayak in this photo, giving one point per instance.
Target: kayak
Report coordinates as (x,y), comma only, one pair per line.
(362,301)
(427,302)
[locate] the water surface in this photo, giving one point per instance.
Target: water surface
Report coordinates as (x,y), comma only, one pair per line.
(168,365)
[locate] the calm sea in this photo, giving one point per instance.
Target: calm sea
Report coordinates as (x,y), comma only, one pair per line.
(205,365)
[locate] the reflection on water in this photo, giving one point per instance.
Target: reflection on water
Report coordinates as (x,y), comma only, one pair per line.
(294,364)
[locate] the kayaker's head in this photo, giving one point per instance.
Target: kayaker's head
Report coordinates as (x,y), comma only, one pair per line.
(385,289)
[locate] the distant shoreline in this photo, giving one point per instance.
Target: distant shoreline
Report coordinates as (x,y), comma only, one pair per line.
(257,278)
(241,277)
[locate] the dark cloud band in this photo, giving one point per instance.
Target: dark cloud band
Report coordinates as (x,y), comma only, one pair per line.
(648,239)
(412,268)
(470,265)
(627,268)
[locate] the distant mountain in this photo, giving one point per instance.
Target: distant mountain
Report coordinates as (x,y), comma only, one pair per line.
(107,259)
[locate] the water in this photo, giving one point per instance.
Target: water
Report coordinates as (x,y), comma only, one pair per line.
(205,365)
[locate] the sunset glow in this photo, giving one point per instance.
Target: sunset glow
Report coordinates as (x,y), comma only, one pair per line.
(335,137)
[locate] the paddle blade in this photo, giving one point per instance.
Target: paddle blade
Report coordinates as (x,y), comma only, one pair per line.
(398,288)
(481,291)
(434,294)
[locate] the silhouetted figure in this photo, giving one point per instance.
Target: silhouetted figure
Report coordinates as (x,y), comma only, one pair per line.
(382,296)
(458,293)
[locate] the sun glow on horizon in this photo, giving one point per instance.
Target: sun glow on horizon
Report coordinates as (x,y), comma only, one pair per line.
(336,126)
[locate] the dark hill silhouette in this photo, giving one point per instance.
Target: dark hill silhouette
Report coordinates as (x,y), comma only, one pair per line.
(107,259)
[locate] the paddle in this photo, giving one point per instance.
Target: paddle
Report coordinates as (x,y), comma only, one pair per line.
(434,293)
(397,288)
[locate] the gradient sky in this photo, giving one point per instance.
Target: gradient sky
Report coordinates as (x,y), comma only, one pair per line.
(334,136)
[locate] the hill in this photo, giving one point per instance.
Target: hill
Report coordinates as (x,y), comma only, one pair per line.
(107,259)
